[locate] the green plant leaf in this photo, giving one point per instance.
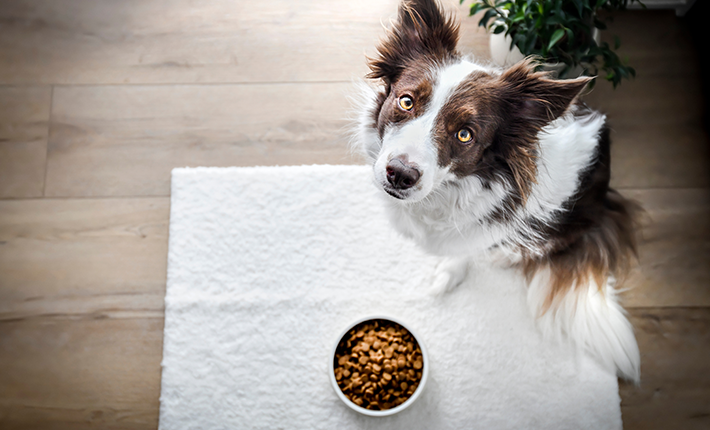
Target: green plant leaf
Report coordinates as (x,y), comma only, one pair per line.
(555,20)
(490,13)
(578,5)
(529,47)
(559,31)
(478,7)
(518,16)
(570,35)
(556,36)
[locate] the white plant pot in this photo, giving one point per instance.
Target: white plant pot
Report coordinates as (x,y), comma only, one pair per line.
(501,52)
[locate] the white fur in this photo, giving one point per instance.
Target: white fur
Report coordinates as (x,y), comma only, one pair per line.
(567,147)
(595,321)
(448,215)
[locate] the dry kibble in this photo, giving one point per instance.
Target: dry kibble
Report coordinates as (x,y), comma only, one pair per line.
(389,352)
(375,365)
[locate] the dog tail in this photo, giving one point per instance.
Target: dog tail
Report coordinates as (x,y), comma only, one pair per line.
(591,317)
(573,290)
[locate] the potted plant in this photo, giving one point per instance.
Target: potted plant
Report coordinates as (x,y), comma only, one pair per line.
(559,32)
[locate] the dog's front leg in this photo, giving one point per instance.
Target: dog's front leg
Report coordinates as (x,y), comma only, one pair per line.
(449,274)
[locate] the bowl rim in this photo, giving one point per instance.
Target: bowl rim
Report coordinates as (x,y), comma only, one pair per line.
(386,412)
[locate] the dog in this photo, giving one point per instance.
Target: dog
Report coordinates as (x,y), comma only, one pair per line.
(481,164)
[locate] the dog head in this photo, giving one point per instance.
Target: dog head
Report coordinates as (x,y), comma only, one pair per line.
(439,116)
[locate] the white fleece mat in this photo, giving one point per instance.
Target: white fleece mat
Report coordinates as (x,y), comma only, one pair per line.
(267,265)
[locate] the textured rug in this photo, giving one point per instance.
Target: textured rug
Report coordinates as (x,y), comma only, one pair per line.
(268,265)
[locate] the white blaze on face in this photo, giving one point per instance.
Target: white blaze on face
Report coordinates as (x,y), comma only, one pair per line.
(414,140)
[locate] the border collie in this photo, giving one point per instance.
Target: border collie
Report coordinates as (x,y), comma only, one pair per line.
(484,164)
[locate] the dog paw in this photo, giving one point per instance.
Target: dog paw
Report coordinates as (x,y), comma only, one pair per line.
(448,275)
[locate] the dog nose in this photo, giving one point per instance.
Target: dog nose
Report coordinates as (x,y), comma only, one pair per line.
(401,174)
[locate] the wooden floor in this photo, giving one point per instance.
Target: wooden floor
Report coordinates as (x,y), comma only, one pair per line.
(99,100)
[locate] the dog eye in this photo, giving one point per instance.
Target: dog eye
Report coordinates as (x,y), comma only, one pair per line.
(406,103)
(464,135)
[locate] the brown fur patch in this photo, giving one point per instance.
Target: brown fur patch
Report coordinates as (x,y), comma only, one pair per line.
(422,31)
(416,83)
(606,249)
(531,100)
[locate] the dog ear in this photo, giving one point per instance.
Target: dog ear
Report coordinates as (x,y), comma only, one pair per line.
(534,97)
(530,101)
(421,29)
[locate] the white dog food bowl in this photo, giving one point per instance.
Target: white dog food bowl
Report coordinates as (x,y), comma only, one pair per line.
(384,412)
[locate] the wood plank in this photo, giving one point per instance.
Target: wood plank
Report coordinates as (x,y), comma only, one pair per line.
(124,140)
(182,41)
(655,42)
(83,373)
(99,134)
(675,370)
(83,257)
(651,100)
(658,138)
(674,249)
(24,127)
(659,156)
